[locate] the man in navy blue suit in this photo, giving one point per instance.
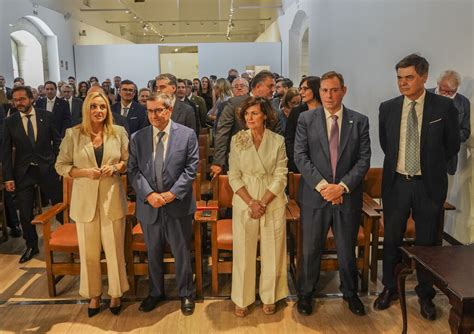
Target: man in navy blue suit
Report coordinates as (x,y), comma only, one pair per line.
(133,111)
(56,105)
(163,159)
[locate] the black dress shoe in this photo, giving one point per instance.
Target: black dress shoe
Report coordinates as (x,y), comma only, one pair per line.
(28,254)
(92,311)
(385,298)
(187,305)
(15,232)
(427,309)
(305,305)
(149,303)
(115,309)
(355,305)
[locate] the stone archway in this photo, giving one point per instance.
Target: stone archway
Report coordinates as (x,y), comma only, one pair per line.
(27,57)
(299,29)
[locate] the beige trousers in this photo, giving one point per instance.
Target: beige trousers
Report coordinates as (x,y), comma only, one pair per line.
(102,233)
(273,284)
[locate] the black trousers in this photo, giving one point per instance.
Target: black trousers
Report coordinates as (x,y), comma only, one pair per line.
(10,210)
(315,224)
(25,199)
(405,197)
(177,233)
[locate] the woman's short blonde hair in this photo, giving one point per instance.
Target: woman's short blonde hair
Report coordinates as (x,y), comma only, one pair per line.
(86,126)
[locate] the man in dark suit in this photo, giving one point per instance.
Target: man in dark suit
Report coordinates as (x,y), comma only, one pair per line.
(181,96)
(448,84)
(33,134)
(263,85)
(332,152)
(419,134)
(75,104)
(198,102)
(162,166)
(4,91)
(133,111)
(182,112)
(56,105)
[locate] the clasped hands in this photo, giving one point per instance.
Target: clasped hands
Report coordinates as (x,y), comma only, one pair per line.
(96,173)
(333,193)
(257,209)
(157,200)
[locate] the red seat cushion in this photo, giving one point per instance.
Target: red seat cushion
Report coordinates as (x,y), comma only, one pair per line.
(224,234)
(64,236)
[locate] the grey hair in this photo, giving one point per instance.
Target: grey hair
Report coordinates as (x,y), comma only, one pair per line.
(165,98)
(168,77)
(451,76)
(67,86)
(245,82)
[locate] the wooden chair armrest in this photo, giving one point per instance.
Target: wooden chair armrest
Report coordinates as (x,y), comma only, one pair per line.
(371,202)
(50,213)
(448,206)
(369,211)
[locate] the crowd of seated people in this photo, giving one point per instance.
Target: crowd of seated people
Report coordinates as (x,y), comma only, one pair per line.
(262,128)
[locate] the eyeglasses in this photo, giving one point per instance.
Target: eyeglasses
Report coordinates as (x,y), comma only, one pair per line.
(449,92)
(157,110)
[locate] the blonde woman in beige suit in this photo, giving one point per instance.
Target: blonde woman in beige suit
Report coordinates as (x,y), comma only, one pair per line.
(258,177)
(94,153)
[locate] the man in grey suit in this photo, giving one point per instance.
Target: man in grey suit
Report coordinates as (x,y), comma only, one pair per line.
(75,104)
(183,113)
(448,84)
(263,85)
(163,160)
(333,164)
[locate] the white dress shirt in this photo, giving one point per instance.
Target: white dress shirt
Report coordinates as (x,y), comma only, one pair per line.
(165,138)
(24,120)
(403,130)
(50,104)
(123,107)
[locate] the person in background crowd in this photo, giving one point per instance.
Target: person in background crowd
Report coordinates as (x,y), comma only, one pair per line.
(206,92)
(240,87)
(94,154)
(4,91)
(117,81)
(232,74)
(213,78)
(181,96)
(41,92)
(109,92)
(222,92)
(247,77)
(143,95)
(133,111)
(448,84)
(258,177)
(75,104)
(59,85)
(309,91)
(34,91)
(93,80)
(197,87)
(281,87)
(82,89)
(290,100)
(71,80)
(56,105)
(29,149)
(198,102)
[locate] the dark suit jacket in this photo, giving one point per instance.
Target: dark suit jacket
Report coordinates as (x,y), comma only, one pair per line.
(43,153)
(2,118)
(313,159)
(61,114)
(463,105)
(179,171)
(136,116)
(227,126)
(76,112)
(439,142)
(199,101)
(290,134)
(196,114)
(184,114)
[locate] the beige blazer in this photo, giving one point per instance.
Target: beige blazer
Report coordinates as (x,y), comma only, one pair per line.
(260,170)
(76,150)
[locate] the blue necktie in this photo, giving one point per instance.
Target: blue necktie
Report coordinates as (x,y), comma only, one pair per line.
(31,133)
(159,152)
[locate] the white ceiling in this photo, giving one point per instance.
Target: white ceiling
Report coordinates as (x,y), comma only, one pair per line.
(175,20)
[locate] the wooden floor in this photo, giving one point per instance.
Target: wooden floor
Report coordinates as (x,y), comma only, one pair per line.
(26,308)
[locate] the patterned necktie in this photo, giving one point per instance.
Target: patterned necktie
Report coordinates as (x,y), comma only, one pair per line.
(412,145)
(125,111)
(31,133)
(334,145)
(159,152)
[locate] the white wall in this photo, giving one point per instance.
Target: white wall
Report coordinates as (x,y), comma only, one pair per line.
(271,34)
(182,65)
(137,62)
(218,58)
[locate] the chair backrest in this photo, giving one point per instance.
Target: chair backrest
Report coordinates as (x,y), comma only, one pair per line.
(197,187)
(222,192)
(373,182)
(293,185)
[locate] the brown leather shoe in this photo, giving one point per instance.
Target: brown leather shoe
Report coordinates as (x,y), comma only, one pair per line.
(385,298)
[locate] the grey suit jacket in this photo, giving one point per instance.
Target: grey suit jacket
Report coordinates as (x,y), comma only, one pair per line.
(313,159)
(179,171)
(184,114)
(227,126)
(76,112)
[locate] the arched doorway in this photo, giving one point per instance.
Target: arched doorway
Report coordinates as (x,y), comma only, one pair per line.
(304,61)
(27,57)
(298,50)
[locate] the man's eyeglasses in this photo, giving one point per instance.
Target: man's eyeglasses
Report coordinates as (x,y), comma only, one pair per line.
(157,110)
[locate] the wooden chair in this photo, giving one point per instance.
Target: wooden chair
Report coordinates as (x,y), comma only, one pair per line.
(373,199)
(63,239)
(329,261)
(138,247)
(3,216)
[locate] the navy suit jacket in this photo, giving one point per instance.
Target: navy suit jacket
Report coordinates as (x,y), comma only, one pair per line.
(184,114)
(61,114)
(179,171)
(136,116)
(314,163)
(439,142)
(44,152)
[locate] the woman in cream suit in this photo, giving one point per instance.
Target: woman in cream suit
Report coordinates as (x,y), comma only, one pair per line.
(94,153)
(258,176)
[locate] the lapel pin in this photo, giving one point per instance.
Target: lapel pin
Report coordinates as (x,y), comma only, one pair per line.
(351,121)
